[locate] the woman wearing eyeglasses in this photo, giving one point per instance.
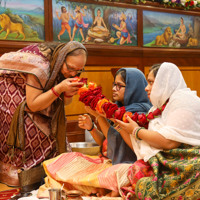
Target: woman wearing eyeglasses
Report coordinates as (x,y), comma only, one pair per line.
(35,84)
(128,91)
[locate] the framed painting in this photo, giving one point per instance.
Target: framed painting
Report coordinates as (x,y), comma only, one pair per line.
(22,20)
(162,29)
(94,23)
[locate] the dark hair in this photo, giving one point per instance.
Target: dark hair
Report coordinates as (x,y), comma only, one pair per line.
(62,8)
(154,68)
(122,72)
(182,19)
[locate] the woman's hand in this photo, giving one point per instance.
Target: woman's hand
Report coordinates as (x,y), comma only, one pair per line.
(85,122)
(70,87)
(128,127)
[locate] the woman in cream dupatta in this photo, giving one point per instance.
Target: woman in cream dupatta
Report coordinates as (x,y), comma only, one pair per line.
(171,144)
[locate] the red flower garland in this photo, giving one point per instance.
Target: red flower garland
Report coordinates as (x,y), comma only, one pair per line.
(91,95)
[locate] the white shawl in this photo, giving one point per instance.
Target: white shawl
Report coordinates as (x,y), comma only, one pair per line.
(180,121)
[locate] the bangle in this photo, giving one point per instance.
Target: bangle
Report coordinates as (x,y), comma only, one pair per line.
(67,96)
(118,128)
(134,131)
(137,131)
(92,127)
(55,93)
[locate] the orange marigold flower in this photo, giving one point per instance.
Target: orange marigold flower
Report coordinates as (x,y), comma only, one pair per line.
(82,90)
(124,118)
(92,85)
(99,106)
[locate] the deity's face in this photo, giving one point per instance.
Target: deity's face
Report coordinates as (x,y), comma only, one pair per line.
(73,65)
(150,80)
(99,13)
(64,10)
(182,21)
(118,89)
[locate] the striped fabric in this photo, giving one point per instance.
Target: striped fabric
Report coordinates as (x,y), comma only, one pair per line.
(86,173)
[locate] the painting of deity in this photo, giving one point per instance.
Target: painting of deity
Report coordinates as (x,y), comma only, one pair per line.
(93,23)
(170,30)
(22,20)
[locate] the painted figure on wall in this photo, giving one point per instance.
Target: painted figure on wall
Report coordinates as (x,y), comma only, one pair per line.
(79,24)
(170,30)
(10,27)
(182,30)
(122,32)
(94,23)
(22,21)
(98,32)
(64,17)
(99,24)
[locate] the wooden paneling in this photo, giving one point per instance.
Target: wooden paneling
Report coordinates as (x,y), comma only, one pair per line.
(74,133)
(191,75)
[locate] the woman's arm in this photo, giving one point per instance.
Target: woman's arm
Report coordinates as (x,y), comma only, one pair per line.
(102,121)
(38,100)
(153,138)
(85,122)
(156,140)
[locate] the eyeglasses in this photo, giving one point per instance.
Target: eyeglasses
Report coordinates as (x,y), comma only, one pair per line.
(118,87)
(72,70)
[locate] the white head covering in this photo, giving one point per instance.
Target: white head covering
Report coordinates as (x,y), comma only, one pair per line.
(168,80)
(180,121)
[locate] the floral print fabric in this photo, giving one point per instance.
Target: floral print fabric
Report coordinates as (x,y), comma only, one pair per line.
(176,175)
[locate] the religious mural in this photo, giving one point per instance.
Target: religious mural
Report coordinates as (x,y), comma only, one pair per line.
(92,23)
(170,30)
(22,20)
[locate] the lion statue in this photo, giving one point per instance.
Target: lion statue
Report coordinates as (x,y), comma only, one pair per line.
(10,27)
(164,38)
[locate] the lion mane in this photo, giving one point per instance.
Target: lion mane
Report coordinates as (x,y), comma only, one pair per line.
(10,27)
(164,38)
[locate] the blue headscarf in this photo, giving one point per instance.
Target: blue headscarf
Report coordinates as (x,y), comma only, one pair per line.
(135,100)
(135,96)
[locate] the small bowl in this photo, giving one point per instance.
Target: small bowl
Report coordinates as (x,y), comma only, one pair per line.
(88,148)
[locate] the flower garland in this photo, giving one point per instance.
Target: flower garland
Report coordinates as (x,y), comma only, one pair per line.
(91,95)
(186,4)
